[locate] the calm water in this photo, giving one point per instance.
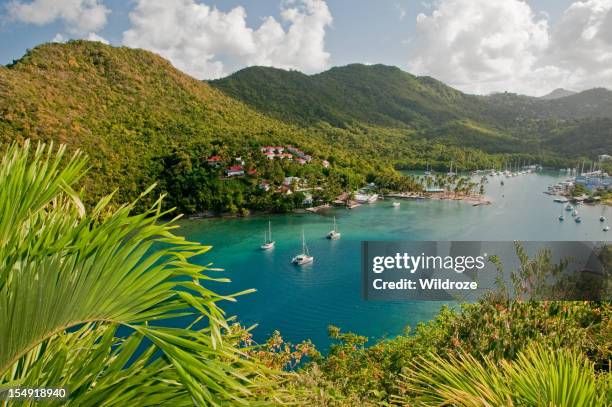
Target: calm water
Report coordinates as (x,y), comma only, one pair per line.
(302,302)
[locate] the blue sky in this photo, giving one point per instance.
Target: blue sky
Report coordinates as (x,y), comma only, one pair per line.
(479,46)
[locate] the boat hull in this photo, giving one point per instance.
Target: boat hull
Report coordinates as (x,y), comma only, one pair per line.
(333,235)
(302,260)
(267,246)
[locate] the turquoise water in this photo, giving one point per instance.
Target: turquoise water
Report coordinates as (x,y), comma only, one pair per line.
(302,302)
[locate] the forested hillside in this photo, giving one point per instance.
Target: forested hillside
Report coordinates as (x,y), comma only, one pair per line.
(142,121)
(385,96)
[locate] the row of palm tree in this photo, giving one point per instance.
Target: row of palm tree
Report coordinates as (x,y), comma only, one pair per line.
(458,185)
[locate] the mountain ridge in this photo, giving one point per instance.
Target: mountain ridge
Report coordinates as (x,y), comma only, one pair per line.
(558,93)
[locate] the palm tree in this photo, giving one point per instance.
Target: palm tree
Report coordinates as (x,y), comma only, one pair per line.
(539,376)
(70,277)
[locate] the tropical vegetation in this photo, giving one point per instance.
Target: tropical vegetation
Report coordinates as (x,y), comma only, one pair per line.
(107,303)
(84,294)
(142,122)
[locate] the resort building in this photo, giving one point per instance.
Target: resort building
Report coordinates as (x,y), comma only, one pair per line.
(234,171)
(307,199)
(605,157)
(214,161)
(290,180)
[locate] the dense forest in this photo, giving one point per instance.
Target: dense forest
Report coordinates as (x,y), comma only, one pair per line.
(141,121)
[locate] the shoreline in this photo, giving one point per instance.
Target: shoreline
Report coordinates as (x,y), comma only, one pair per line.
(473,200)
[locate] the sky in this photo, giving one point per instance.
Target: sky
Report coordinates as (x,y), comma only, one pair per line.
(477,46)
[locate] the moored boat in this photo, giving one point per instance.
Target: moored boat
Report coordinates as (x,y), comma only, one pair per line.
(334,234)
(304,257)
(268,243)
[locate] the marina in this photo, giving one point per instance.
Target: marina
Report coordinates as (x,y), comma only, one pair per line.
(301,301)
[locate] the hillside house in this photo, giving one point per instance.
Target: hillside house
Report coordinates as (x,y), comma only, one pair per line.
(214,161)
(290,180)
(234,171)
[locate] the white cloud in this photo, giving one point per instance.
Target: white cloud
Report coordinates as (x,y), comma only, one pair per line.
(197,37)
(95,37)
(581,44)
(59,38)
(482,46)
(78,16)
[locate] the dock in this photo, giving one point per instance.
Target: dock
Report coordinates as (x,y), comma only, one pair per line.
(316,209)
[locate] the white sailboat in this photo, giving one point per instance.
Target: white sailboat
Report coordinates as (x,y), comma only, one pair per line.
(304,257)
(268,243)
(334,234)
(450,172)
(396,204)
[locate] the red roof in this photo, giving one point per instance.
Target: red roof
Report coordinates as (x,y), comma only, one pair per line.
(252,172)
(235,168)
(214,158)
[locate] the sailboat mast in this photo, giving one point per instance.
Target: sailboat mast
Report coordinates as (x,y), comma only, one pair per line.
(270,230)
(304,247)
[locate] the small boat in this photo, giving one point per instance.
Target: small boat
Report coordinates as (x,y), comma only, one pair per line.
(334,234)
(396,204)
(575,213)
(561,199)
(606,228)
(569,208)
(268,243)
(578,219)
(561,218)
(304,257)
(602,218)
(502,182)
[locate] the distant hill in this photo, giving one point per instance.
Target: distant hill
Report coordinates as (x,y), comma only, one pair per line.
(593,103)
(557,93)
(354,94)
(384,96)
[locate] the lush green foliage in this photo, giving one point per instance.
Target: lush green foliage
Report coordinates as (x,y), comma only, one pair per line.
(138,118)
(538,377)
(380,96)
(69,277)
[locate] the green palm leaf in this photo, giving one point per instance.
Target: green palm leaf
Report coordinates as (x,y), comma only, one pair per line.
(538,377)
(69,277)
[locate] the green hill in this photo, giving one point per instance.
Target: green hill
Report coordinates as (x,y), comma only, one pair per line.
(355,94)
(383,96)
(143,121)
(129,109)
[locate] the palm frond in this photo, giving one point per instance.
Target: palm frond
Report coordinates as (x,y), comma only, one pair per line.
(69,276)
(538,377)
